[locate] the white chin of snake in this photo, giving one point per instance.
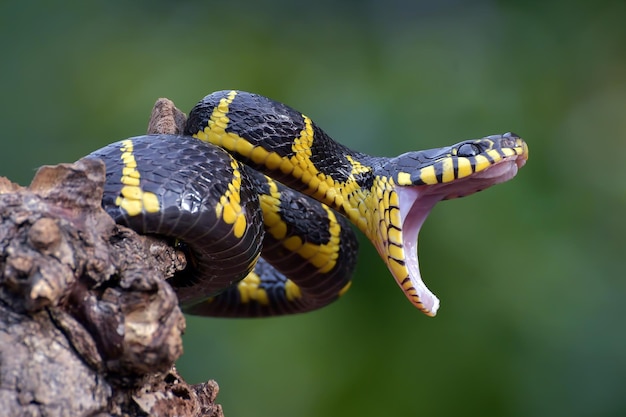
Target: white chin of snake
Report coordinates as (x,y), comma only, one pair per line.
(417,202)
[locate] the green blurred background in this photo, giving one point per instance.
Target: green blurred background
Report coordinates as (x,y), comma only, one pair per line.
(531,273)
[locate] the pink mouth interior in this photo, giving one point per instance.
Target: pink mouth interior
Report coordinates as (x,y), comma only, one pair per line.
(417,202)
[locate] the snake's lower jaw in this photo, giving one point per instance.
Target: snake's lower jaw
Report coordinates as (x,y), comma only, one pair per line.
(414,208)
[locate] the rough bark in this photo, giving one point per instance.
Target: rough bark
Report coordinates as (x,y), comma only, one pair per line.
(88,324)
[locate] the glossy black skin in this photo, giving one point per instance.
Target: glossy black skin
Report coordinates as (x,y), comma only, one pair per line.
(189,177)
(267,123)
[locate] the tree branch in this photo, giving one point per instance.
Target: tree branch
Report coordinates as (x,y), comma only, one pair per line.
(88,324)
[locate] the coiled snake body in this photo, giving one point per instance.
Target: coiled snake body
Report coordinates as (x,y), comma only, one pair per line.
(251,176)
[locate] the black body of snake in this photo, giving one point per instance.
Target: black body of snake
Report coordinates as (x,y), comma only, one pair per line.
(205,189)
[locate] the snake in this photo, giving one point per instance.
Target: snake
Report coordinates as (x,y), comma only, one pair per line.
(261,201)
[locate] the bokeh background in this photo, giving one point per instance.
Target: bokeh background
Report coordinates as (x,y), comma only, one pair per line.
(531,274)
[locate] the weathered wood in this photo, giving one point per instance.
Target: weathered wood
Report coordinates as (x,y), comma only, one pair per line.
(88,324)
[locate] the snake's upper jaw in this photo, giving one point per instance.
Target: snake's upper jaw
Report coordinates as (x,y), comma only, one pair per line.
(500,172)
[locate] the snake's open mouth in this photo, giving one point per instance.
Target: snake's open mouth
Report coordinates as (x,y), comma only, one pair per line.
(416,202)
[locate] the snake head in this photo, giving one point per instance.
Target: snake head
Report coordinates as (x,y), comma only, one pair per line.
(423,178)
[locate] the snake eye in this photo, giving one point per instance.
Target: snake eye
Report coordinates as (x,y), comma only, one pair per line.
(468,149)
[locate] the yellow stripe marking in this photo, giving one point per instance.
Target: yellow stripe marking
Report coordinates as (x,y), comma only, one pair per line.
(324,257)
(404,178)
(464,167)
(447,170)
(394,236)
(345,288)
(292,291)
(398,270)
(249,290)
(132,199)
(509,151)
(428,175)
(396,252)
(481,163)
(229,208)
(495,155)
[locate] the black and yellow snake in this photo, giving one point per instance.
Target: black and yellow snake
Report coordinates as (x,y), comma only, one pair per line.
(205,189)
